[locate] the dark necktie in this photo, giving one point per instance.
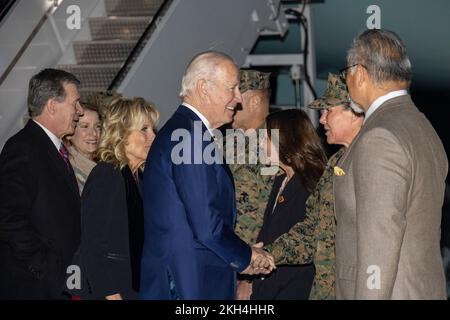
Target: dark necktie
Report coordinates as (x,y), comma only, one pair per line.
(64,154)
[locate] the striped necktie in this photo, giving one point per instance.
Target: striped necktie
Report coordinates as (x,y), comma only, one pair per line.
(64,154)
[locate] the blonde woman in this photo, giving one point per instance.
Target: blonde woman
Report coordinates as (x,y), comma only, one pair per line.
(112,210)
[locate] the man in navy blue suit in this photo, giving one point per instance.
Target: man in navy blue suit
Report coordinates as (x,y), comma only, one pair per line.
(190,249)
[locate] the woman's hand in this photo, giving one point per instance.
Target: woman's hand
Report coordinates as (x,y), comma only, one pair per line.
(116,296)
(244,290)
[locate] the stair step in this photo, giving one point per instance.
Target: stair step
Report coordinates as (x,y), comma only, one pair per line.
(132,8)
(93,77)
(111,28)
(87,94)
(104,51)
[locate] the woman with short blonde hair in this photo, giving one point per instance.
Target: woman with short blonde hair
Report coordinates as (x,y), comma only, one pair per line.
(121,116)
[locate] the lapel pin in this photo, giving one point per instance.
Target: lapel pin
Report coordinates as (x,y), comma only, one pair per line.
(338,171)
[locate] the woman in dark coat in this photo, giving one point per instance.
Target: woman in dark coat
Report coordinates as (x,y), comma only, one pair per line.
(299,153)
(112,210)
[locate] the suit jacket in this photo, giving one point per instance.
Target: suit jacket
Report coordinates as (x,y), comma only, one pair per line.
(189,214)
(39,217)
(112,233)
(388,208)
(286,282)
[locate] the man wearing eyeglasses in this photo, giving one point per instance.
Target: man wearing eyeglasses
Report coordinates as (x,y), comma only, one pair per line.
(389,195)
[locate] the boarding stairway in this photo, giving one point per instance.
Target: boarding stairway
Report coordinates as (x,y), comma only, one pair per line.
(136,47)
(113,37)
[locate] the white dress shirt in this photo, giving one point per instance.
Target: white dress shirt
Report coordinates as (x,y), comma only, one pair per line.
(56,141)
(201,116)
(380,100)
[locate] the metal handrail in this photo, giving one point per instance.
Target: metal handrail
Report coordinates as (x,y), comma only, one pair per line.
(27,43)
(5,8)
(138,47)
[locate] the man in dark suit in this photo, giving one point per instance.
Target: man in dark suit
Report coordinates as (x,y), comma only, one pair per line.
(190,249)
(39,197)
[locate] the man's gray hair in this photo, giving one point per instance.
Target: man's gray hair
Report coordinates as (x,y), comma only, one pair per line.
(383,54)
(48,84)
(202,66)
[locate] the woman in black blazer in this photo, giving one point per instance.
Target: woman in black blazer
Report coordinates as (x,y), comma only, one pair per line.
(301,157)
(112,210)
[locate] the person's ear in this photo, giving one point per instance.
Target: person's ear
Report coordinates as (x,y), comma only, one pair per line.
(202,88)
(255,102)
(355,117)
(361,75)
(51,106)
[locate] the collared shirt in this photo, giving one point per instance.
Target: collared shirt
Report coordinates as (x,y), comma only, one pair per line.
(56,141)
(201,116)
(380,100)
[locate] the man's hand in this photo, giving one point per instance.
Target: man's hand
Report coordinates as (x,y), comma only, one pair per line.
(244,290)
(261,261)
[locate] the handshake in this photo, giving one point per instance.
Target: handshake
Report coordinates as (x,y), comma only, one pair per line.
(261,262)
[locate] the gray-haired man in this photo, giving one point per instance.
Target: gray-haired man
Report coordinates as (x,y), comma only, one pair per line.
(389,195)
(39,197)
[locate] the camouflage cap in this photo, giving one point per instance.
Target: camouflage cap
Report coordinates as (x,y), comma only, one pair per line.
(335,95)
(253,80)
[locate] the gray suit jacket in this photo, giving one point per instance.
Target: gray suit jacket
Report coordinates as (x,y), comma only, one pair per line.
(388,208)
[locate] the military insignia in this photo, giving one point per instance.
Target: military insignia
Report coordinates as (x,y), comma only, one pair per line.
(280,199)
(338,171)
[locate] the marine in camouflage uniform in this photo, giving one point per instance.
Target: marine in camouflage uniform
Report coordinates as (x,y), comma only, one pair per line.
(252,187)
(313,239)
(252,193)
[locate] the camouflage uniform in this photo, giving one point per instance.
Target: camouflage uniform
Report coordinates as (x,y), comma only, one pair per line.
(313,239)
(253,80)
(252,188)
(336,94)
(252,192)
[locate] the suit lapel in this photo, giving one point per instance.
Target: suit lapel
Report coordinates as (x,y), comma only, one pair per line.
(404,100)
(45,143)
(65,170)
(288,194)
(273,195)
(263,233)
(186,112)
(228,171)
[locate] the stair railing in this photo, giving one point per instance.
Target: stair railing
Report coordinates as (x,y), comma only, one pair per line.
(29,39)
(139,45)
(5,7)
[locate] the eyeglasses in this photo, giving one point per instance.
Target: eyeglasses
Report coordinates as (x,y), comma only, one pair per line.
(343,72)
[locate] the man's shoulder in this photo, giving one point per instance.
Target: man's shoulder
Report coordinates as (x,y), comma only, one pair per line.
(394,114)
(178,121)
(399,122)
(21,142)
